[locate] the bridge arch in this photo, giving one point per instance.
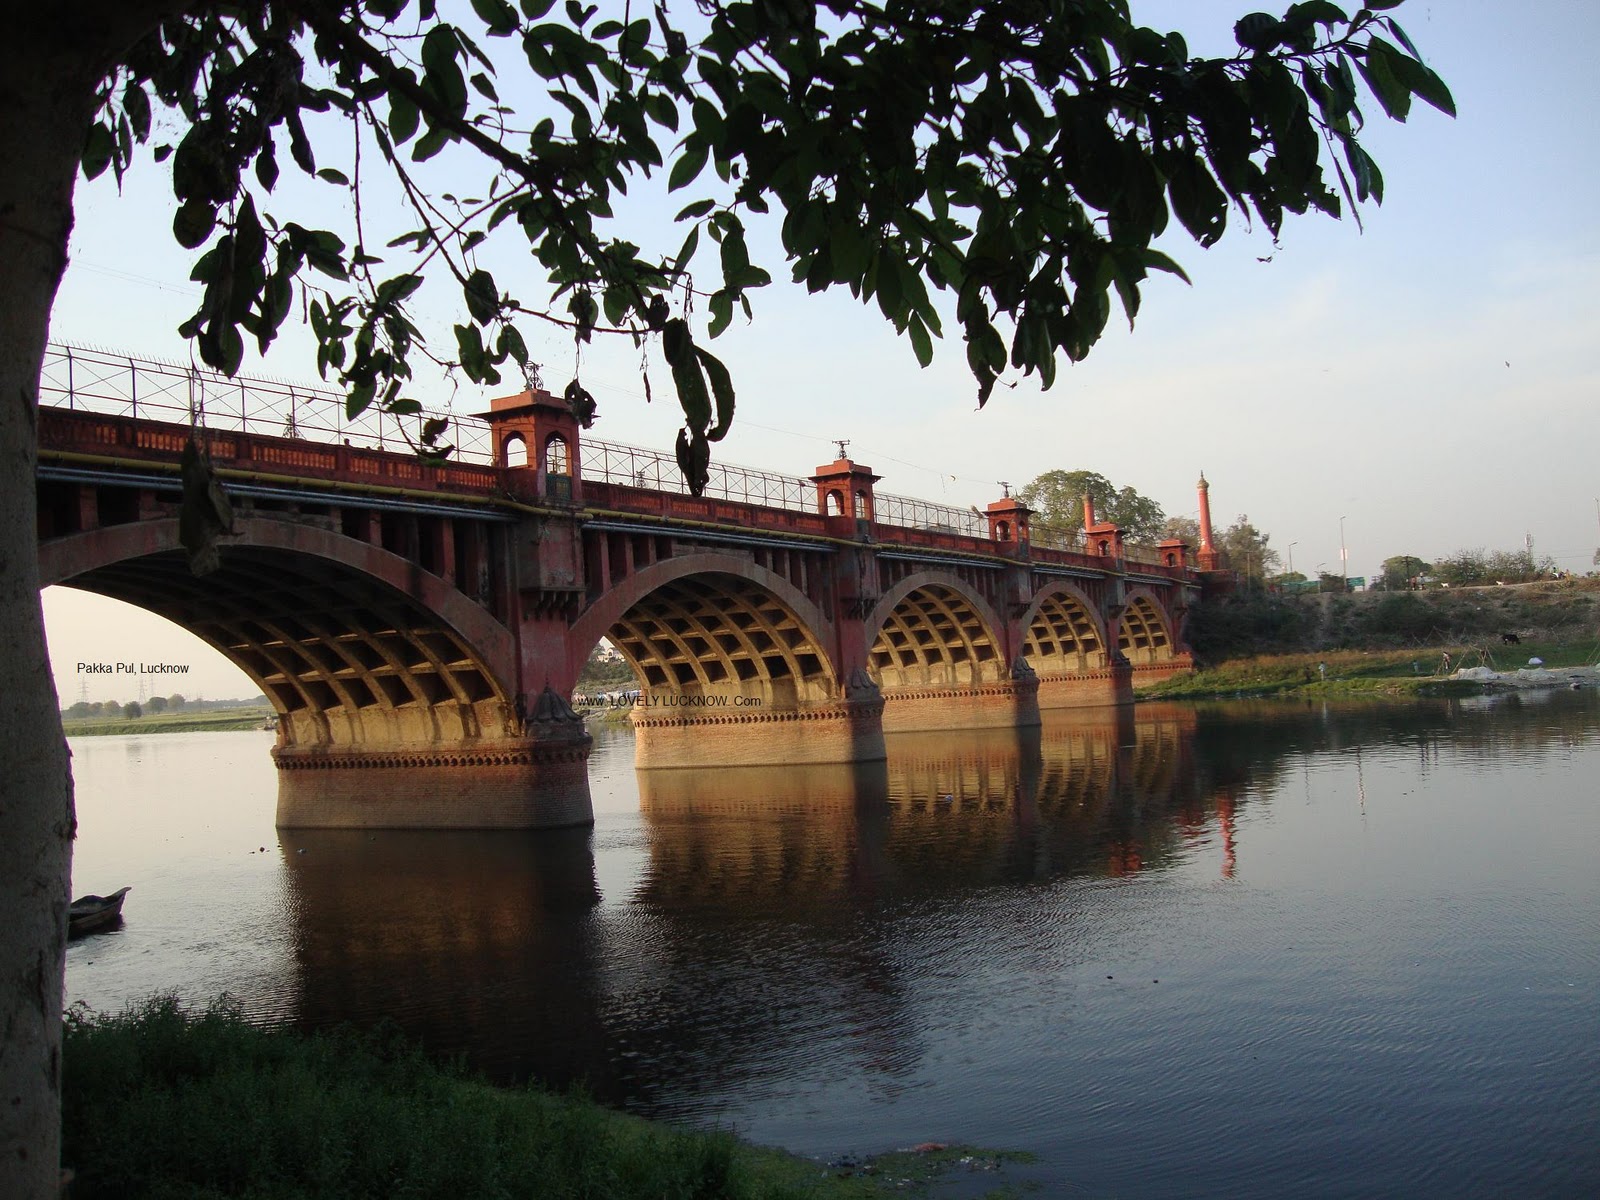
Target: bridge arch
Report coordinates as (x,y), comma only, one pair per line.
(354,646)
(1144,630)
(930,630)
(1063,631)
(711,624)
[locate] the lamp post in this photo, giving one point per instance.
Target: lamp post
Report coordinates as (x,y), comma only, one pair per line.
(1344,557)
(1292,545)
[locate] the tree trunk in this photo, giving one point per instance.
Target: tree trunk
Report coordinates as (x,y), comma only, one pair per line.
(46,102)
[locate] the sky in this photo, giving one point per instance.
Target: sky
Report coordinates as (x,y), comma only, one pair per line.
(1423,384)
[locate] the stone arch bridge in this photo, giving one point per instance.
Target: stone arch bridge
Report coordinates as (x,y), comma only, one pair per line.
(420,627)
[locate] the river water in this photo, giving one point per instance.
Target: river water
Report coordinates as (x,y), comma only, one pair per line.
(1239,949)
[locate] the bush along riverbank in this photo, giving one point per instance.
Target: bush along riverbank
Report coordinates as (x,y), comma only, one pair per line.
(1415,672)
(161,1103)
(1386,643)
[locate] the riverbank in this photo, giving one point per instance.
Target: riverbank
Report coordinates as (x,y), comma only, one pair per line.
(1386,643)
(1452,670)
(157,1102)
(206,721)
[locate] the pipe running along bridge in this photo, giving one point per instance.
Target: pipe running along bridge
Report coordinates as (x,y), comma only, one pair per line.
(420,627)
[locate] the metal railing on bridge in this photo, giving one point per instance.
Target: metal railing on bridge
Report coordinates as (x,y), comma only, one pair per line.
(101,381)
(1071,538)
(1056,537)
(634,466)
(911,513)
(128,385)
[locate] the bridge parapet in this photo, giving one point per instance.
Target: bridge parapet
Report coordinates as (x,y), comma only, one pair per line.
(736,514)
(64,432)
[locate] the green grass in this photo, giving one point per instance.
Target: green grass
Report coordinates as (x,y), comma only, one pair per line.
(159,1104)
(1365,672)
(167,722)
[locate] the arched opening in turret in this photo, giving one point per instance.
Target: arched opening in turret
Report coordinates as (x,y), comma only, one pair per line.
(556,460)
(514,451)
(557,468)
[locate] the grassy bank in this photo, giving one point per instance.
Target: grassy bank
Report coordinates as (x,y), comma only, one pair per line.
(161,1104)
(1390,643)
(1416,672)
(180,722)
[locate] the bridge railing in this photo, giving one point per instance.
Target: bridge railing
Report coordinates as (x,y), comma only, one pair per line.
(1148,555)
(1071,539)
(99,381)
(911,513)
(635,466)
(1056,537)
(115,384)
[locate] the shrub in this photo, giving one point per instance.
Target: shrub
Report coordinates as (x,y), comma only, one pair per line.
(161,1103)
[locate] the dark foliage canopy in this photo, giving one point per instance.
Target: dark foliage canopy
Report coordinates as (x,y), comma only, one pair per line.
(1020,155)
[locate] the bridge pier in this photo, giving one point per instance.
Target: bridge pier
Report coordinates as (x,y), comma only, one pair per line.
(1180,663)
(848,731)
(538,780)
(1110,685)
(1003,704)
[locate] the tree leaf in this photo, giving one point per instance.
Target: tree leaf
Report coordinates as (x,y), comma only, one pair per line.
(693,396)
(921,343)
(1160,262)
(98,147)
(721,391)
(688,166)
(482,296)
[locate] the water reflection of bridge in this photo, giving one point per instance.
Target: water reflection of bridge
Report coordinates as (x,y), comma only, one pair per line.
(1086,792)
(753,881)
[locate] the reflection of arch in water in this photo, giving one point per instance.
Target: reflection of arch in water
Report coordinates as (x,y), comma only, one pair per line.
(956,770)
(776,860)
(762,835)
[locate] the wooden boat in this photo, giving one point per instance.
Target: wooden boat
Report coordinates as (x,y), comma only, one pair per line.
(90,913)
